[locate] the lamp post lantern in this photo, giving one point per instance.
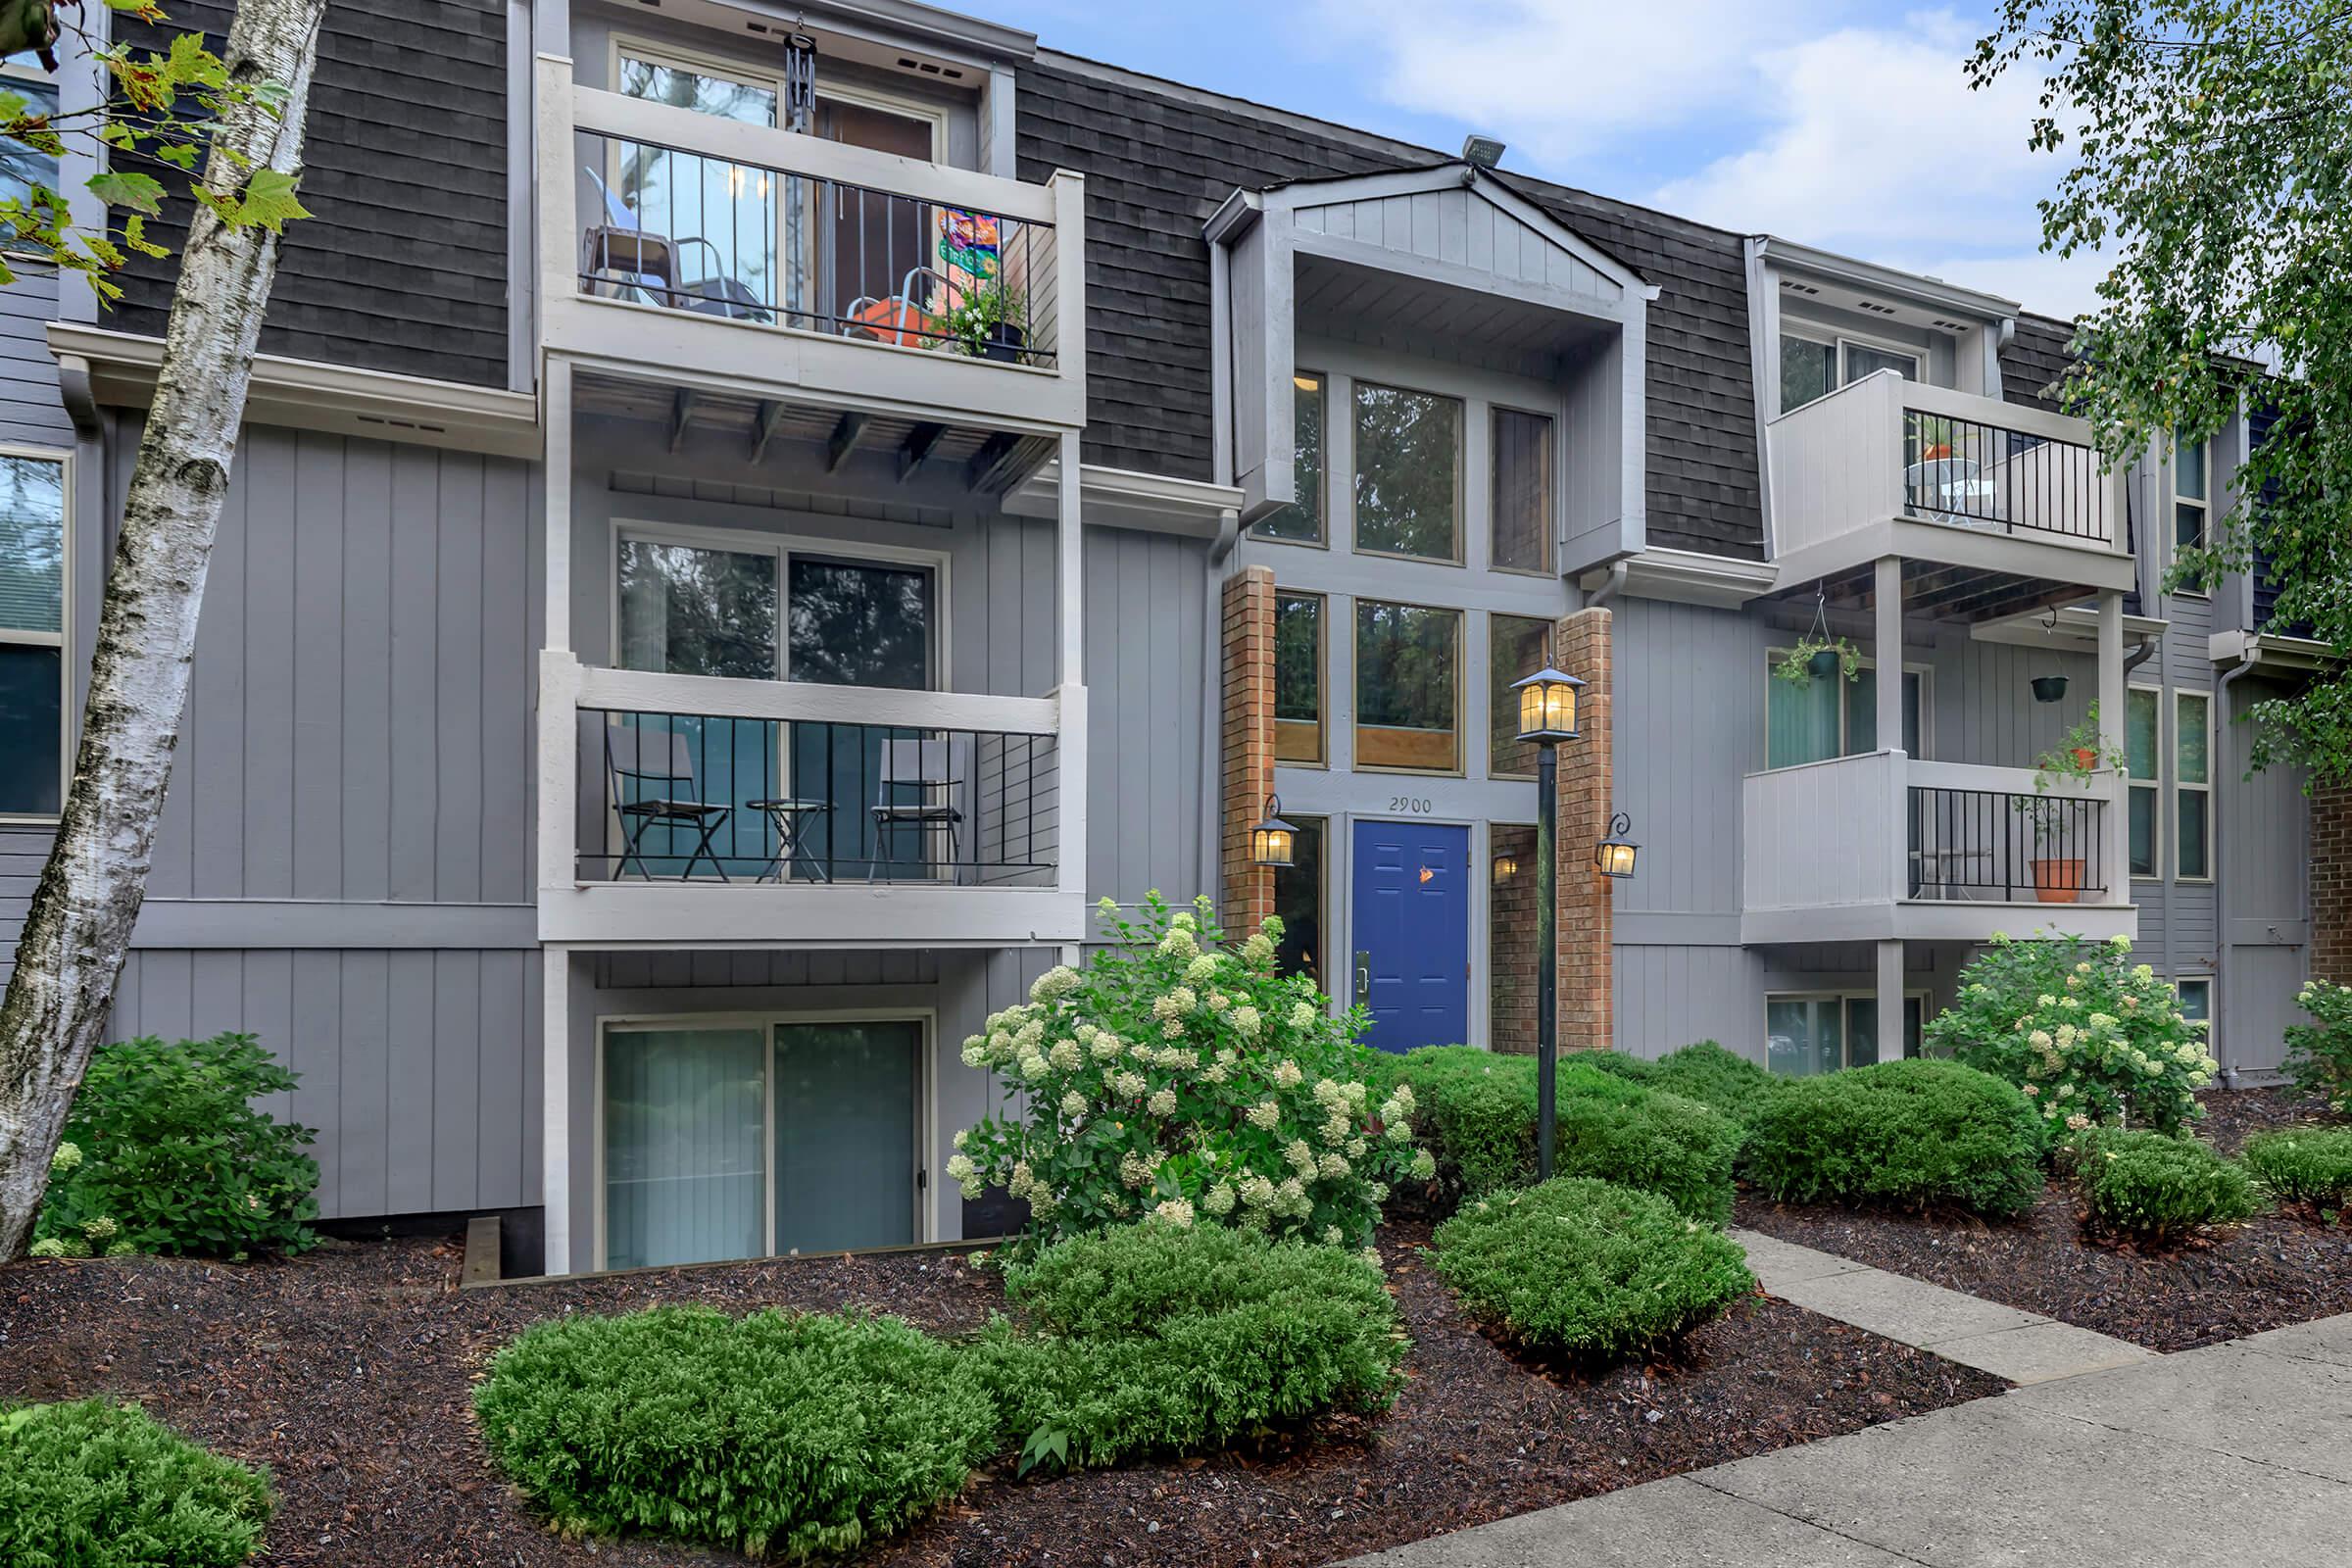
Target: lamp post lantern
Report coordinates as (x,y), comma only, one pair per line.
(1548,702)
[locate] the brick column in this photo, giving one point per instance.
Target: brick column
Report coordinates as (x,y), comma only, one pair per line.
(1587,1003)
(1246,739)
(2332,883)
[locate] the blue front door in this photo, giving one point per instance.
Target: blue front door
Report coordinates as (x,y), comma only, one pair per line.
(1413,932)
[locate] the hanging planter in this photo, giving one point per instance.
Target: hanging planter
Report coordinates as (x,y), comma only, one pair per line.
(2050,688)
(1817,654)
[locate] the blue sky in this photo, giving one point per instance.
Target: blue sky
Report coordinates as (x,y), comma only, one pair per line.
(1843,124)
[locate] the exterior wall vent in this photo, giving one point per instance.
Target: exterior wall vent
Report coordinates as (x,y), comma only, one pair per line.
(1791,285)
(1951,326)
(1875,308)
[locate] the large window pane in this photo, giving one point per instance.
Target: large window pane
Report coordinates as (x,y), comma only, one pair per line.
(1802,1035)
(854,623)
(1522,491)
(1801,722)
(2190,851)
(2140,745)
(2144,831)
(32,728)
(718,217)
(1302,522)
(32,544)
(1862,360)
(685,1145)
(2190,737)
(2189,470)
(1517,645)
(689,610)
(1861,1031)
(1808,369)
(1862,712)
(1407,687)
(1298,901)
(1408,471)
(845,1133)
(1298,678)
(22,166)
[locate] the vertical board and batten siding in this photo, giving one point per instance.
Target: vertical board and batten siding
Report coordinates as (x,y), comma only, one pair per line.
(402,265)
(1149,645)
(1464,229)
(418,1068)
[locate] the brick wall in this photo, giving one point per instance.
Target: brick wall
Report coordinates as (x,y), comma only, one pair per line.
(1511,943)
(1246,735)
(2331,884)
(1587,802)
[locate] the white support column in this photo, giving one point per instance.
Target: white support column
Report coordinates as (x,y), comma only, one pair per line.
(2116,852)
(555,1127)
(1073,566)
(1888,652)
(1890,1001)
(1072,750)
(555,414)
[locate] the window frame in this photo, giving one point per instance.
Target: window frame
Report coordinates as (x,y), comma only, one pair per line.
(767,1021)
(32,76)
(1551,651)
(2180,786)
(61,639)
(1497,407)
(1322,538)
(1355,670)
(2159,837)
(1322,757)
(2203,504)
(757,73)
(1923,994)
(1356,472)
(1839,341)
(1926,712)
(2206,981)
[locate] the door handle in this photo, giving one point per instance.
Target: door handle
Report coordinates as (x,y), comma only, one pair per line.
(1363,976)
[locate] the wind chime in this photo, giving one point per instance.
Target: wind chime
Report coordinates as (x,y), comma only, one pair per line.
(798,115)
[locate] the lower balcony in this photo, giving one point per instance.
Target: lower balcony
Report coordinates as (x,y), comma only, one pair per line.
(1881,847)
(772,813)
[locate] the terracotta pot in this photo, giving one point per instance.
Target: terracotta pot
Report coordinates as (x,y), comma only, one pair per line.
(2058,881)
(2087,757)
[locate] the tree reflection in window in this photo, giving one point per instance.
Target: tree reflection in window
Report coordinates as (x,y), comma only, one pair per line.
(1408,451)
(1407,686)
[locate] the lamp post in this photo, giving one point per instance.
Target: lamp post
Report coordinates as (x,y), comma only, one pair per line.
(1547,716)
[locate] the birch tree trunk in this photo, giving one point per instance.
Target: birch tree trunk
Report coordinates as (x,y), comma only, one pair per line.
(71,950)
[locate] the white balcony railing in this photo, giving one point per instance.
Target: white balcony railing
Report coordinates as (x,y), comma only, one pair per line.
(756,257)
(1883,447)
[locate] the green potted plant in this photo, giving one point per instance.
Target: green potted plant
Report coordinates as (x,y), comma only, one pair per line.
(987,323)
(2060,822)
(1817,655)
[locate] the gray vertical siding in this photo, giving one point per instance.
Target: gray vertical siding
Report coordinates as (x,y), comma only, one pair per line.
(1149,647)
(419,1069)
(29,411)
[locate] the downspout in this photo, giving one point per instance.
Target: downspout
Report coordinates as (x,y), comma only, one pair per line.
(1599,597)
(2221,865)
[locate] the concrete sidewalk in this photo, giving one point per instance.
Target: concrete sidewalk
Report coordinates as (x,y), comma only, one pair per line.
(2240,1454)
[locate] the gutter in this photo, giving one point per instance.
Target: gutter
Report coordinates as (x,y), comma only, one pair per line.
(2221,866)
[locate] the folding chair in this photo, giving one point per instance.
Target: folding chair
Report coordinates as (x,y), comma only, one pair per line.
(918,788)
(647,767)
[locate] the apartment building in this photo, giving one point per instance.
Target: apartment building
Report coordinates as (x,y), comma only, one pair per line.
(753,518)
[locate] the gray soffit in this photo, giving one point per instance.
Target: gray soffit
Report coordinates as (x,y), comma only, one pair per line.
(1928,294)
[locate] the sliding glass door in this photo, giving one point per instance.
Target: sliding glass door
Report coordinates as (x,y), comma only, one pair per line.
(748,1139)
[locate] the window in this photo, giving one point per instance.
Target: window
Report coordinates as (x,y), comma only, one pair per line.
(2143,753)
(1517,645)
(1407,687)
(1522,520)
(1812,368)
(1298,678)
(730,211)
(2192,787)
(21,167)
(1408,474)
(1807,1035)
(691,608)
(2190,504)
(1298,901)
(2197,1004)
(1302,522)
(1831,718)
(1512,955)
(33,634)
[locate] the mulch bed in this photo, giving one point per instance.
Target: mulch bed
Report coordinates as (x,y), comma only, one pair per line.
(2276,1269)
(349,1373)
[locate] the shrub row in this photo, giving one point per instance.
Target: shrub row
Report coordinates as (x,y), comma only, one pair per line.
(1911,1134)
(2156,1188)
(808,1434)
(2307,1167)
(94,1483)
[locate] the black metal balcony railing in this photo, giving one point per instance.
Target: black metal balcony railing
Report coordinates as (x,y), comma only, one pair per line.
(685,797)
(678,229)
(1979,476)
(1995,845)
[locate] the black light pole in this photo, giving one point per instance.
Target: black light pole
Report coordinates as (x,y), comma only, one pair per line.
(1547,716)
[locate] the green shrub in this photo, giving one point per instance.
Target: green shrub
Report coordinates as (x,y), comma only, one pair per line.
(2319,1053)
(1159,1338)
(98,1485)
(1479,1108)
(2305,1165)
(2092,1039)
(1588,1270)
(1716,1078)
(1906,1133)
(1181,1078)
(1617,1064)
(2156,1188)
(797,1434)
(165,1153)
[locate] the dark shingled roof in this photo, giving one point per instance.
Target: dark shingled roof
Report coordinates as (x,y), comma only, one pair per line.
(1158,161)
(2035,360)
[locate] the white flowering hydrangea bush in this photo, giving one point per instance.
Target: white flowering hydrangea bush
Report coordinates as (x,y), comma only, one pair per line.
(1180,1079)
(2319,1053)
(2093,1039)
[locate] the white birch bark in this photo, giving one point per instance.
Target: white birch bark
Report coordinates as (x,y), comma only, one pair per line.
(74,938)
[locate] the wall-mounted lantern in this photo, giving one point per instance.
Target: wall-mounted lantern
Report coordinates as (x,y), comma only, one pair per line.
(1614,854)
(1271,840)
(1506,866)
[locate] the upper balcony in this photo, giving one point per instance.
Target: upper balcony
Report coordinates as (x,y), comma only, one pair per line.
(1995,509)
(717,255)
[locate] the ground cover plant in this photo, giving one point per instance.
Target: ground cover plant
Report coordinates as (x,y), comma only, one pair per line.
(2092,1038)
(1587,1270)
(165,1153)
(2156,1189)
(795,1432)
(2307,1167)
(97,1484)
(2319,1053)
(1910,1134)
(1185,1078)
(1479,1109)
